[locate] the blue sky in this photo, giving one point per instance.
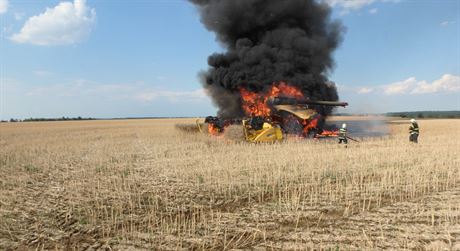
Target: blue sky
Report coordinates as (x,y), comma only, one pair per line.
(141,58)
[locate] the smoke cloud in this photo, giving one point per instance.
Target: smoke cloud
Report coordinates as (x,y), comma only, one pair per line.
(268,41)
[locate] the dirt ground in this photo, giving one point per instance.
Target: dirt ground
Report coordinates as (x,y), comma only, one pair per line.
(143,184)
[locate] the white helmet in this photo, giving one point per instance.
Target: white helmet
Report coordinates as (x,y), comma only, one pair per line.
(344,125)
(412,121)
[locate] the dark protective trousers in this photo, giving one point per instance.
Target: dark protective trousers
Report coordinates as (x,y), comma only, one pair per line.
(413,138)
(344,140)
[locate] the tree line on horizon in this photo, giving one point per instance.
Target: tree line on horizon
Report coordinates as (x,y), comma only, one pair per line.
(415,114)
(47,119)
(425,114)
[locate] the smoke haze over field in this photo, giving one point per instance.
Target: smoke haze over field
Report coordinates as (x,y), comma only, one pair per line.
(268,41)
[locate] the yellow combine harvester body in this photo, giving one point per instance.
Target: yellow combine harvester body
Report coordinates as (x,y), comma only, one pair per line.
(269,133)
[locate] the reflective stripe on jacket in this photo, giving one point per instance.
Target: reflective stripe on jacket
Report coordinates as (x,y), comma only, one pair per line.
(413,129)
(342,133)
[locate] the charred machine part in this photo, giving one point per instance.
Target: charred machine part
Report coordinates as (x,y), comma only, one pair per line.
(292,101)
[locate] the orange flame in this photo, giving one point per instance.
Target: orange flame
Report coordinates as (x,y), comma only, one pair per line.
(327,133)
(309,125)
(255,104)
(213,130)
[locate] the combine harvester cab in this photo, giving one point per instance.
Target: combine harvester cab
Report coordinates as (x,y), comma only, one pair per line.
(300,116)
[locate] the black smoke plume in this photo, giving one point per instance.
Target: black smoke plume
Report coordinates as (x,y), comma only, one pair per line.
(268,41)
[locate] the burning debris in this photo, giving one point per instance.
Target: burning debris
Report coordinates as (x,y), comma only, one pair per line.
(275,51)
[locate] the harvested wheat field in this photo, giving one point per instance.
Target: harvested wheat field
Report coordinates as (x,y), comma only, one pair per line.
(144,184)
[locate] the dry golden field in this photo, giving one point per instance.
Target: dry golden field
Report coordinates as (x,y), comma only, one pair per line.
(143,184)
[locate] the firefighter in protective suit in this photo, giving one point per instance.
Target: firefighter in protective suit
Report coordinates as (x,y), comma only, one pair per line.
(413,131)
(343,134)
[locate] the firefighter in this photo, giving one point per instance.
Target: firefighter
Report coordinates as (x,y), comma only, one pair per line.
(343,135)
(413,131)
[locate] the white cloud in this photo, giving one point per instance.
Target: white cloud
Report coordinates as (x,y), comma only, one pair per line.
(41,73)
(373,11)
(172,95)
(67,23)
(447,83)
(400,87)
(83,88)
(348,5)
(3,6)
(19,16)
(118,91)
(364,90)
(447,23)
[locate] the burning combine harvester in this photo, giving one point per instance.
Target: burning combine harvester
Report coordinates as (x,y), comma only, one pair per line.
(269,117)
(271,77)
